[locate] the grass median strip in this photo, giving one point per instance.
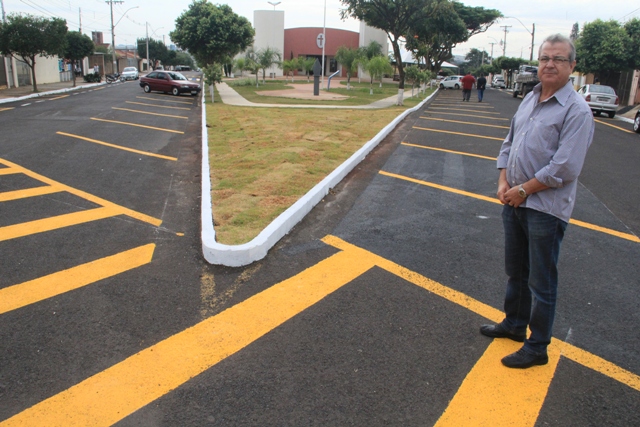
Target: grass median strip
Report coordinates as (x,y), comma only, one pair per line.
(264,159)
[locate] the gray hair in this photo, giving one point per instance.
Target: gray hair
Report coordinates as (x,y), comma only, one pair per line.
(559,38)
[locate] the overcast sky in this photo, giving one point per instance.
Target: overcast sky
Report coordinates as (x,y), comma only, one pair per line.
(549,16)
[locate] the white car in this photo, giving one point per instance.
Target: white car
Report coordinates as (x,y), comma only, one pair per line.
(451,82)
(498,81)
(129,73)
(601,99)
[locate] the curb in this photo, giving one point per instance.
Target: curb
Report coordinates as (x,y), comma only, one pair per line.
(51,92)
(256,249)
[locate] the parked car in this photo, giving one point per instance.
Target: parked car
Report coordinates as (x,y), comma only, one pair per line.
(636,122)
(183,68)
(129,73)
(600,98)
(168,81)
(451,82)
(498,81)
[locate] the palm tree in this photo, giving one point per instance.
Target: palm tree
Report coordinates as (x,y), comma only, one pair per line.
(348,57)
(241,64)
(267,58)
(307,65)
(289,66)
(377,67)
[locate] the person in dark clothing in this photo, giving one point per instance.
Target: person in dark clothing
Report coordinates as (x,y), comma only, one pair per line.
(481,85)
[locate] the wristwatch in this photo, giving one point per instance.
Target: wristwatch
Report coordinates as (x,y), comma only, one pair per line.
(521,192)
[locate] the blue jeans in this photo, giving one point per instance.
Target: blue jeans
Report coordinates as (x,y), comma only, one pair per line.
(480,94)
(532,247)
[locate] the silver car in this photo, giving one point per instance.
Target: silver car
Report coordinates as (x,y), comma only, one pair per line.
(451,82)
(600,98)
(129,73)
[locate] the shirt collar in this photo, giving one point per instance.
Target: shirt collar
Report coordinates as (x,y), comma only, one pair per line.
(561,95)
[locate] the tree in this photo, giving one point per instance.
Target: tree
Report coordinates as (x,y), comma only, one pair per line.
(27,37)
(158,52)
(77,47)
(289,66)
(252,63)
(575,32)
(240,64)
(368,52)
(476,58)
(267,58)
(212,32)
(603,49)
(451,23)
(348,57)
(307,65)
(395,17)
(377,67)
(508,64)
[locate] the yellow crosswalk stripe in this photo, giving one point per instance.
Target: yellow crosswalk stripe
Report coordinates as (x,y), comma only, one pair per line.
(23,294)
(29,192)
(53,223)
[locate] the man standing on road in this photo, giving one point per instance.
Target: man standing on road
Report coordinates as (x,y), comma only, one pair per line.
(539,164)
(467,84)
(482,84)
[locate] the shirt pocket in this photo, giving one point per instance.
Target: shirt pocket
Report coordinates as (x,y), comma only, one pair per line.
(543,138)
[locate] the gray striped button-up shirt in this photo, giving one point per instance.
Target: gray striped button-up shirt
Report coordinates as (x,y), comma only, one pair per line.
(549,140)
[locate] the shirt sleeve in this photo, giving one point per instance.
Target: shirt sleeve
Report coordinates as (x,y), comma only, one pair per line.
(575,139)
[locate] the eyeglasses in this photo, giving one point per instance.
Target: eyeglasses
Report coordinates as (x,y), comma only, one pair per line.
(555,59)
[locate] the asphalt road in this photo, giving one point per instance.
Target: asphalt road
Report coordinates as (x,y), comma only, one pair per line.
(367,313)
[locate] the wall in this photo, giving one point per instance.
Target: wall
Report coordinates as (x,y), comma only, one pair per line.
(304,42)
(369,34)
(269,26)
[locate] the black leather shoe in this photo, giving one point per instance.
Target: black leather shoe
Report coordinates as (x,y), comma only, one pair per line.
(497,331)
(522,359)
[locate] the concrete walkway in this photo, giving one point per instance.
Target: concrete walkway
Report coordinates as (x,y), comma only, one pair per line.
(231,97)
(26,92)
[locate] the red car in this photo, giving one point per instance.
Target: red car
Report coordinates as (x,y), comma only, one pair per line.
(168,81)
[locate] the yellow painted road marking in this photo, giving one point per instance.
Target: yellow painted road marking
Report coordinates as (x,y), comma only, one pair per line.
(165,100)
(58,97)
(449,151)
(464,123)
(97,200)
(462,109)
(151,114)
(137,125)
(468,115)
(113,394)
(158,106)
(579,223)
(614,126)
(122,389)
(7,109)
(53,223)
(8,171)
(30,192)
(95,141)
(39,289)
(494,395)
(459,133)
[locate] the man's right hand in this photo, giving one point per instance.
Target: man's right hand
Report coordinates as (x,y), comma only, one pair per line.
(503,186)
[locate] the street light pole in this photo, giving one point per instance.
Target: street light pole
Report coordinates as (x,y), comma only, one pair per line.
(113,36)
(324,39)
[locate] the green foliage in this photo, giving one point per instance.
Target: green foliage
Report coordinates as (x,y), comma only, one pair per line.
(603,47)
(212,32)
(212,74)
(242,82)
(108,56)
(267,58)
(508,64)
(289,66)
(28,36)
(77,47)
(451,23)
(158,53)
(92,78)
(377,67)
(348,58)
(307,65)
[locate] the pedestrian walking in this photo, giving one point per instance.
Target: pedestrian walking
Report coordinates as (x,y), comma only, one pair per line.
(539,162)
(467,84)
(481,85)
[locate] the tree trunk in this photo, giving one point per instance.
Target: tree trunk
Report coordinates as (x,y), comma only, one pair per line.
(32,65)
(396,53)
(73,72)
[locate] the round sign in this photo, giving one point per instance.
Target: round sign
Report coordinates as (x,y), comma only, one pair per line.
(320,40)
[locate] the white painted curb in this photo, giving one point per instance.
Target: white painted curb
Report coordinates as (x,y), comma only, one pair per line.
(239,255)
(51,92)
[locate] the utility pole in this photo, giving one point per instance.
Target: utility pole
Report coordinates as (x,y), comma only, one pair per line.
(8,60)
(113,36)
(504,46)
(492,52)
(533,33)
(148,47)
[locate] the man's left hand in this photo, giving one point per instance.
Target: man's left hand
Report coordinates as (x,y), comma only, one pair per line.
(513,198)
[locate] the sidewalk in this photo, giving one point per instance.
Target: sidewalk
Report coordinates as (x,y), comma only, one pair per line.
(231,97)
(25,92)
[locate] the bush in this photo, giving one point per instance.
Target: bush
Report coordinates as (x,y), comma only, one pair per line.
(92,78)
(244,82)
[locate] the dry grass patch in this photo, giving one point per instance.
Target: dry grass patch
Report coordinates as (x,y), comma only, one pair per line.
(264,159)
